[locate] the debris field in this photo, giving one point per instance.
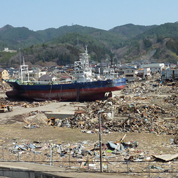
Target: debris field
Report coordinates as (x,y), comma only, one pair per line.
(146,107)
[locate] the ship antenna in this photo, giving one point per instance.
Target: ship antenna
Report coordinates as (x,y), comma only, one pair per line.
(23,61)
(86,49)
(20,55)
(20,63)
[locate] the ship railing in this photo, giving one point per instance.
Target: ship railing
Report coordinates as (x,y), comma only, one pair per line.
(43,82)
(10,80)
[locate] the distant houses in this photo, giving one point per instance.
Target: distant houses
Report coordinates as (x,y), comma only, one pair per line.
(132,72)
(9,50)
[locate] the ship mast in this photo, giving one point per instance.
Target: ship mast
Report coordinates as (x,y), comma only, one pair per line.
(24,70)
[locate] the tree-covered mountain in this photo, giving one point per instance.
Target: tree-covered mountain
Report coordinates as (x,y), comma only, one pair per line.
(22,37)
(126,43)
(130,30)
(64,50)
(19,37)
(158,44)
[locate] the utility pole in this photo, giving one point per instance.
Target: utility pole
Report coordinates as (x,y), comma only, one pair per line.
(101,169)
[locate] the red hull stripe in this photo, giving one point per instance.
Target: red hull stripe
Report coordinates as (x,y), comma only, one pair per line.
(81,90)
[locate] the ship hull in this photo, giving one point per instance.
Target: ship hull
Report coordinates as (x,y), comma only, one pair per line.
(86,91)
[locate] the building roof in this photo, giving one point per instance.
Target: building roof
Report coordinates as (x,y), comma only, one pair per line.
(65,76)
(1,70)
(45,77)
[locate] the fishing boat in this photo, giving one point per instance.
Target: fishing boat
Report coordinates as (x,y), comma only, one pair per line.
(84,86)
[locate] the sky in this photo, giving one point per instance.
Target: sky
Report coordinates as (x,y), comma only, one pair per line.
(101,14)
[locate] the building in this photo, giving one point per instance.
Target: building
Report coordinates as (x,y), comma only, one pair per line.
(130,74)
(144,72)
(154,67)
(109,73)
(147,72)
(3,74)
(34,74)
(171,74)
(47,78)
(8,50)
(65,79)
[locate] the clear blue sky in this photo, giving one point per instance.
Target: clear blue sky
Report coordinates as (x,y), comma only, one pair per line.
(102,14)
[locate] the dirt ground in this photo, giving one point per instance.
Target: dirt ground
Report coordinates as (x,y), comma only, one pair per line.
(146,141)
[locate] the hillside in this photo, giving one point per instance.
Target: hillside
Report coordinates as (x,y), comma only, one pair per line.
(160,42)
(64,50)
(126,43)
(129,31)
(19,37)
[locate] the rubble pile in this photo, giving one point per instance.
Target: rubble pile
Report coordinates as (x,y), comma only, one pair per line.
(150,87)
(25,104)
(5,106)
(34,104)
(172,99)
(2,88)
(32,119)
(8,106)
(83,154)
(77,150)
(124,114)
(176,139)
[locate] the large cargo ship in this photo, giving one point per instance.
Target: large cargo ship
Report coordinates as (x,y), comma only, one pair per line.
(84,86)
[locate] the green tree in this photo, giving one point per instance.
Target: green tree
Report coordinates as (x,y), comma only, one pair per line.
(147,43)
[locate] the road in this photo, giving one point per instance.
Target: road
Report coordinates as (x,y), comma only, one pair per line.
(58,171)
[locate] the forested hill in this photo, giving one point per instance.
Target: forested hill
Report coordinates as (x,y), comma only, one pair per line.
(22,37)
(124,43)
(130,30)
